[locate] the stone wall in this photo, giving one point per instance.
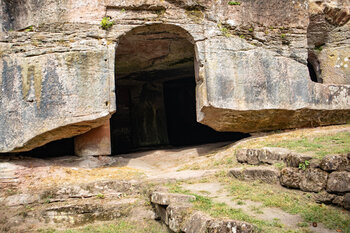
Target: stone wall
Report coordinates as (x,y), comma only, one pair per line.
(329,177)
(251,64)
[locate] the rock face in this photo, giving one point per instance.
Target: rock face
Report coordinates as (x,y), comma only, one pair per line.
(57,78)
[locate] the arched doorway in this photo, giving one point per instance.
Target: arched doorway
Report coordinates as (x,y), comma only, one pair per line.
(155,89)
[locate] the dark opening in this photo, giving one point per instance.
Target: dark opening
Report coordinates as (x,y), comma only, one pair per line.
(312,72)
(155,88)
(62,147)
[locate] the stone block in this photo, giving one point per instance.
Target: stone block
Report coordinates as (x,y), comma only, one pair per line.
(313,180)
(338,182)
(168,198)
(197,223)
(294,159)
(265,174)
(229,226)
(334,162)
(176,214)
(290,177)
(347,201)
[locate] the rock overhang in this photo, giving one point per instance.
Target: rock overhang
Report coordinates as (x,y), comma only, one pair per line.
(251,74)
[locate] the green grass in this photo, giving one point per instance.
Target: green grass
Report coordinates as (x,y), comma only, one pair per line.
(232,3)
(219,210)
(122,226)
(290,201)
(320,146)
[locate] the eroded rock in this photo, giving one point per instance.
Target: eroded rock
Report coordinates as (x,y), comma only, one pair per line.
(313,180)
(197,223)
(338,182)
(334,162)
(294,160)
(290,177)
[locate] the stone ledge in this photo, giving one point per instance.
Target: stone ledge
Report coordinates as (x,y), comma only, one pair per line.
(178,215)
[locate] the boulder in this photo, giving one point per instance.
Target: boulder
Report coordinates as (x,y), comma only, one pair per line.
(334,162)
(338,182)
(290,177)
(313,180)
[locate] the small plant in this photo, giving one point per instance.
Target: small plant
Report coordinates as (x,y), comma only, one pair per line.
(225,31)
(100,196)
(304,165)
(242,36)
(283,36)
(251,29)
(106,23)
(318,48)
(240,202)
(123,10)
(232,3)
(29,29)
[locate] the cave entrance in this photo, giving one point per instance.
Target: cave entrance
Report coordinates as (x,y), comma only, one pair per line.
(155,90)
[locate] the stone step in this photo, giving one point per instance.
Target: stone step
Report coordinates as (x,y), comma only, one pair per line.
(265,174)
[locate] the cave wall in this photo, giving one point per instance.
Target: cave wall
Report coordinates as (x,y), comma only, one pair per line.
(251,64)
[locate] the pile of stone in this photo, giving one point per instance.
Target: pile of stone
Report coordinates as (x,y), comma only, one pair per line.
(328,177)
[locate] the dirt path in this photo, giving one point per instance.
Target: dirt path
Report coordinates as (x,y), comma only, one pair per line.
(217,193)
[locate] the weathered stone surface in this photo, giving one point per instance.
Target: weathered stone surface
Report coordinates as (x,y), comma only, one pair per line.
(324,197)
(252,156)
(347,201)
(168,198)
(197,223)
(236,172)
(46,93)
(264,155)
(175,215)
(313,180)
(95,142)
(315,163)
(273,155)
(58,81)
(265,174)
(21,199)
(338,182)
(160,211)
(229,226)
(293,159)
(290,177)
(334,162)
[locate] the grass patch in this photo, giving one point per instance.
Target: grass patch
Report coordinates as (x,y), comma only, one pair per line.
(320,146)
(219,210)
(290,201)
(122,226)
